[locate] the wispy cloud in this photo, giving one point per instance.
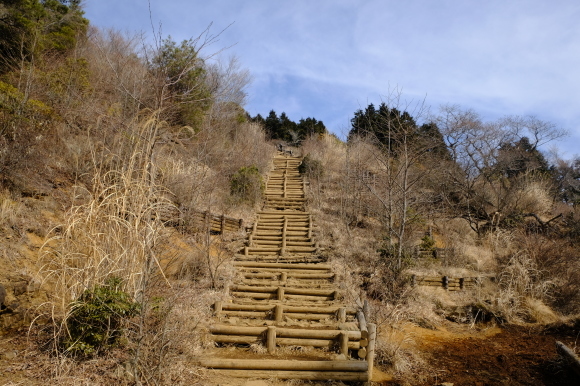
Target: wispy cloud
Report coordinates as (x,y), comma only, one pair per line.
(326,58)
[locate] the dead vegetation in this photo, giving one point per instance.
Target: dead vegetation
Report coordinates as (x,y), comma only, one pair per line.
(106,148)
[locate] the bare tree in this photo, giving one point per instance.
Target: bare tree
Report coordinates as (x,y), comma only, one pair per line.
(480,188)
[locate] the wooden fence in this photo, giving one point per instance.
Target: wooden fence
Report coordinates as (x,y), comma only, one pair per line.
(215,223)
(436,253)
(448,283)
(201,220)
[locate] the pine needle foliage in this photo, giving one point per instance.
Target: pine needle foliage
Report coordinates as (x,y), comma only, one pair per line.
(98,317)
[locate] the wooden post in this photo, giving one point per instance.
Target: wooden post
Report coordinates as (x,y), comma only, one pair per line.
(281,293)
(344,344)
(284,230)
(366,309)
(371,348)
(271,339)
(246,252)
(283,278)
(207,221)
(362,325)
(342,315)
(223,224)
(310,227)
(285,180)
(362,353)
(461,283)
(413,280)
(278,312)
(445,282)
(218,309)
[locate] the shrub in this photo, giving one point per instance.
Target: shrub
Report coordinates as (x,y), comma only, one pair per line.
(247,184)
(310,167)
(427,243)
(97,318)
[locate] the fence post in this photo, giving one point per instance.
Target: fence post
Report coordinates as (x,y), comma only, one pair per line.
(371,348)
(445,282)
(342,314)
(271,339)
(278,313)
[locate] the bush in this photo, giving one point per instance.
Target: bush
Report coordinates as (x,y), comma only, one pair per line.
(247,184)
(97,318)
(310,167)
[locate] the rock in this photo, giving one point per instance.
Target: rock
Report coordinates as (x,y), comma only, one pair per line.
(2,294)
(19,288)
(9,355)
(340,357)
(13,307)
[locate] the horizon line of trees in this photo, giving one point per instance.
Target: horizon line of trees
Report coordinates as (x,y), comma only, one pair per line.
(283,128)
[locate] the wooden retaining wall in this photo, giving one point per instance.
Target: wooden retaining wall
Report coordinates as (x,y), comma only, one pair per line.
(446,282)
(201,220)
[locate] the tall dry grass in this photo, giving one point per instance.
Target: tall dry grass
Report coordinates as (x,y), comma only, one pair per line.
(114,229)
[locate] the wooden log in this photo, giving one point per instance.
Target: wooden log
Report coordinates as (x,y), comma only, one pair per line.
(307,375)
(279,313)
(252,288)
(362,325)
(312,298)
(280,293)
(271,339)
(254,295)
(262,275)
(291,271)
(309,291)
(341,314)
(362,353)
(327,343)
(224,329)
(569,356)
(319,310)
(246,314)
(273,364)
(283,265)
(371,349)
(294,315)
(218,309)
(344,344)
(291,249)
(316,334)
(366,309)
(235,339)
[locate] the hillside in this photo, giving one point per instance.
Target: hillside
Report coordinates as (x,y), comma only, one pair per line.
(143,211)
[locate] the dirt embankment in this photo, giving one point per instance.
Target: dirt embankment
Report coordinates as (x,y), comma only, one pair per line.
(506,355)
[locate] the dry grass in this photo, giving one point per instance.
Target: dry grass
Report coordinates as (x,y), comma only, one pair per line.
(10,210)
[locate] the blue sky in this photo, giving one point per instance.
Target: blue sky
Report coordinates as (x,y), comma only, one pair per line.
(328,58)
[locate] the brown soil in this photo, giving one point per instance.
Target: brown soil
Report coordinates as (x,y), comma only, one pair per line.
(510,355)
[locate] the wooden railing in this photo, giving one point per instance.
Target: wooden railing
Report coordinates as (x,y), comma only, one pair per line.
(201,220)
(446,282)
(215,223)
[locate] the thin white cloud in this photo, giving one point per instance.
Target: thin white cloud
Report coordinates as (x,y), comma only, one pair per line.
(324,58)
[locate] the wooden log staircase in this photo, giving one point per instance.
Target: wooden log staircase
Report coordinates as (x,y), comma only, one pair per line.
(285,309)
